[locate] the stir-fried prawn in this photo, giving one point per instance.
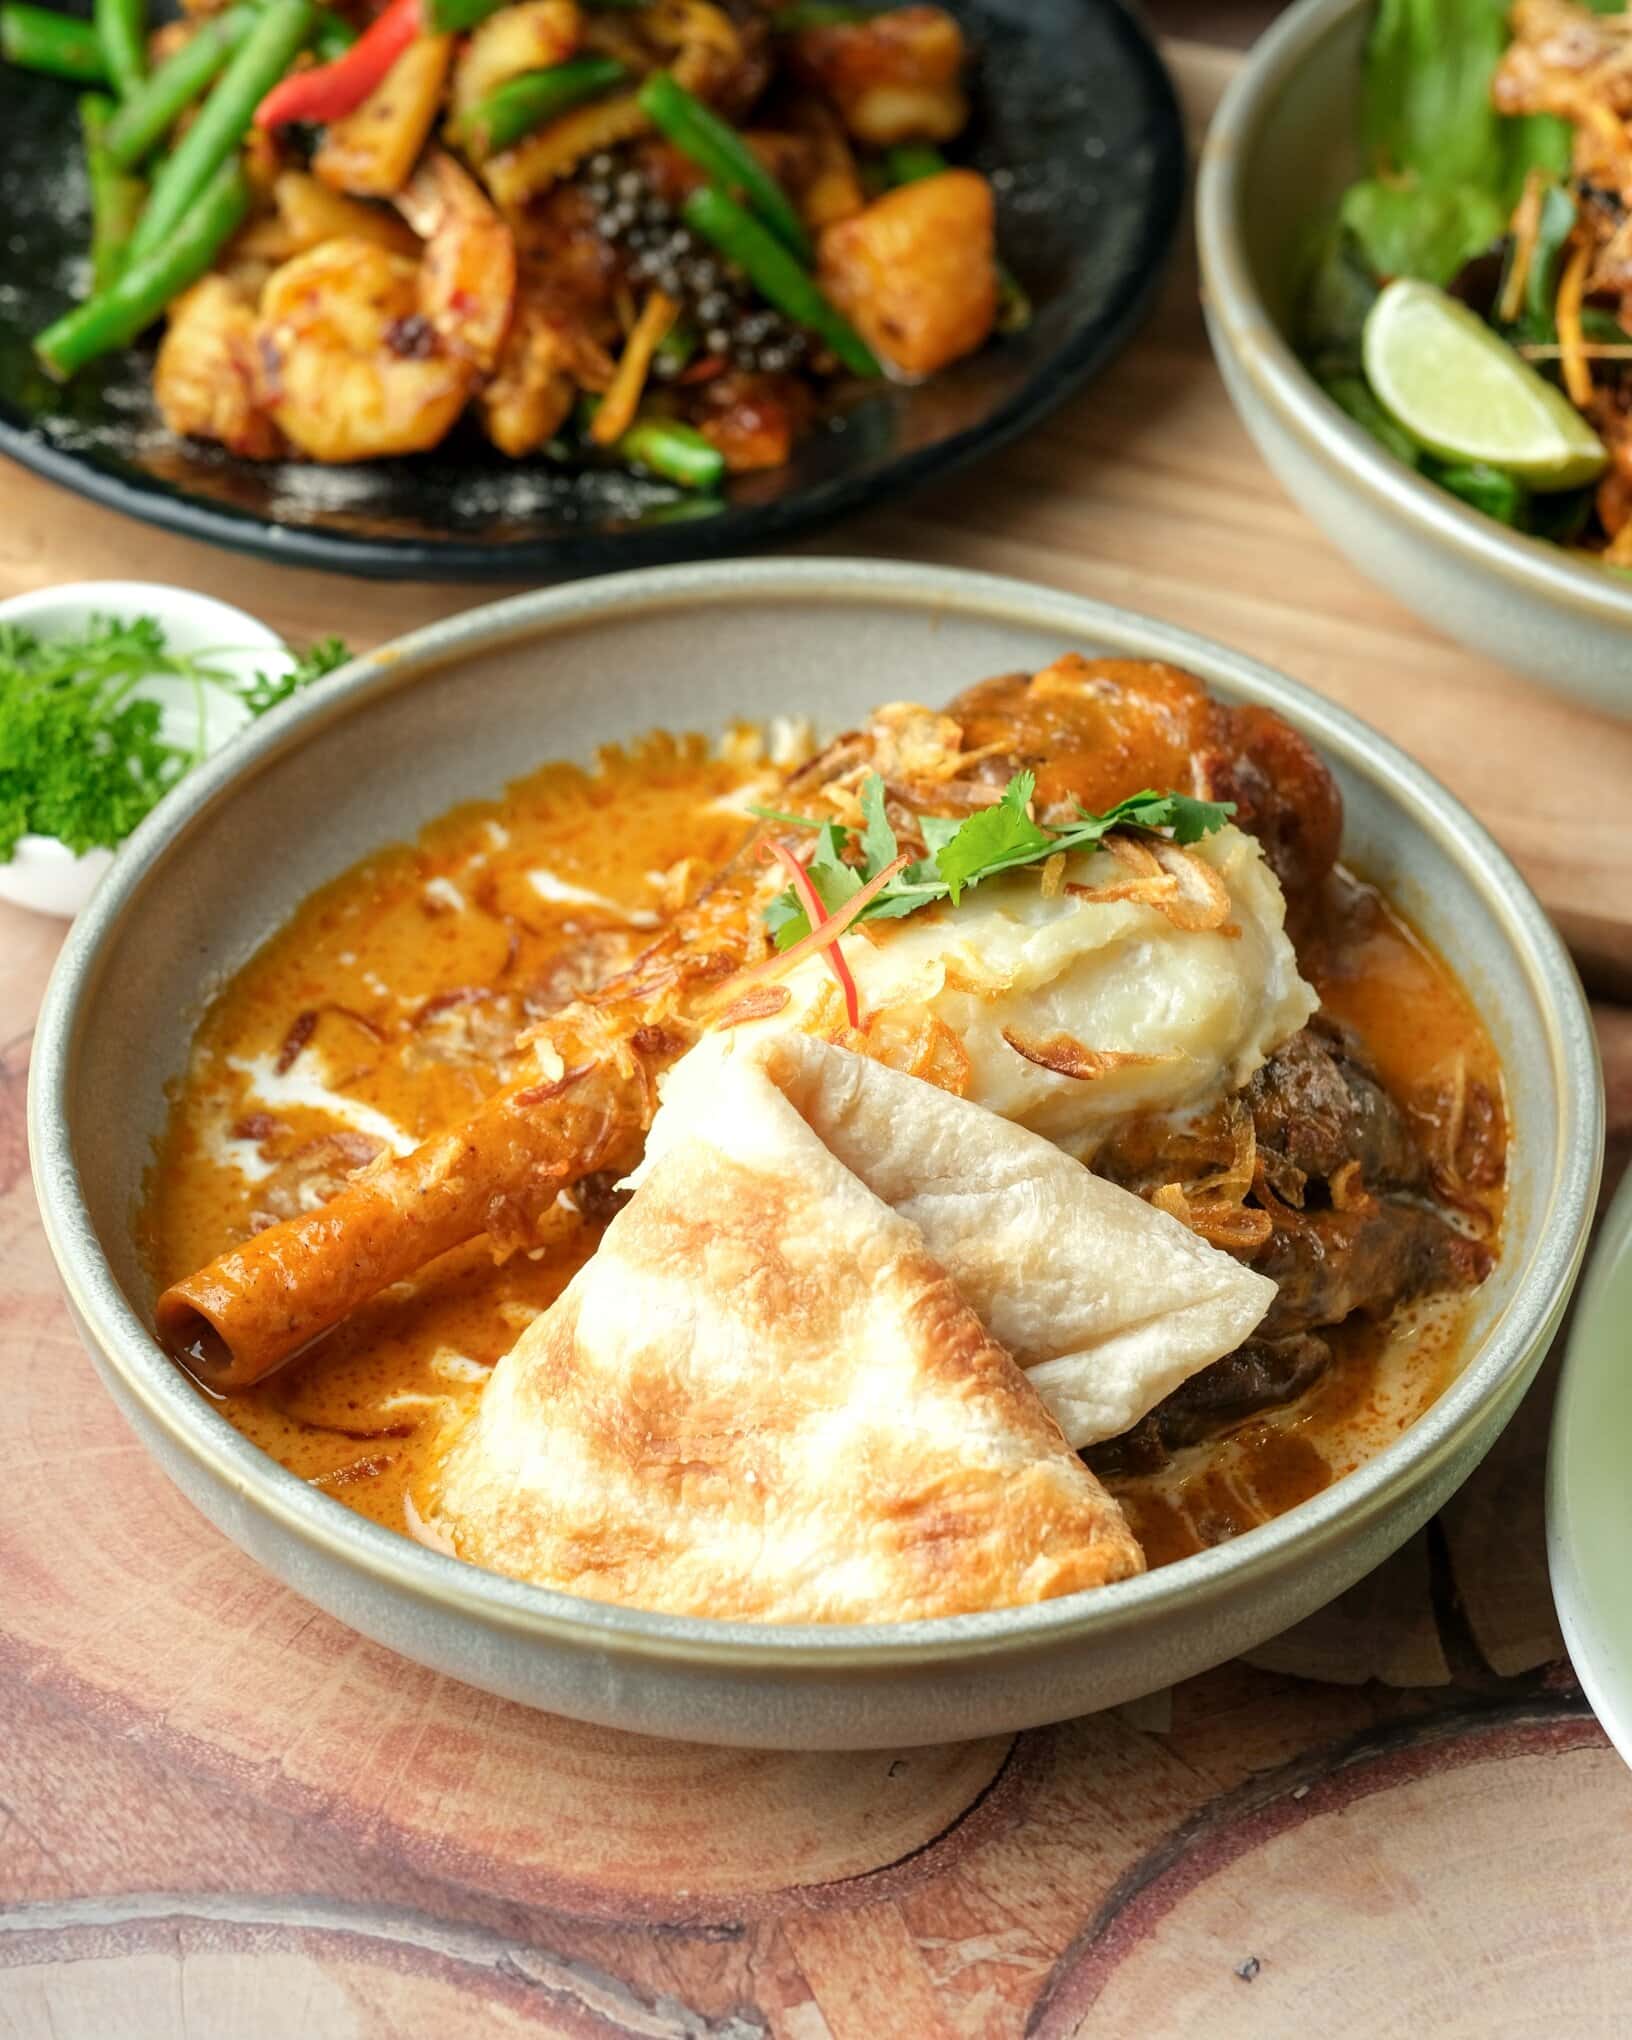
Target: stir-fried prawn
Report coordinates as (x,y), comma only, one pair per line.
(349,366)
(467,276)
(205,378)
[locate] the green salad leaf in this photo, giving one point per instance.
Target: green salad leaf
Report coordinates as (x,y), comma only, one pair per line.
(1409,227)
(1499,495)
(1340,288)
(83,755)
(962,853)
(1426,110)
(1352,393)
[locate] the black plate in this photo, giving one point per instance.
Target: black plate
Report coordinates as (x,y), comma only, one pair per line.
(1077,122)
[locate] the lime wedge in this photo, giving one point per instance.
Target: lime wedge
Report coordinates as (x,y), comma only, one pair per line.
(1462,391)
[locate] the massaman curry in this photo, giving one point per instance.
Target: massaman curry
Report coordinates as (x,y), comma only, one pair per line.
(1101,921)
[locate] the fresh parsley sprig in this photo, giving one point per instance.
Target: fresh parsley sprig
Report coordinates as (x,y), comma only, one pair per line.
(83,755)
(961,854)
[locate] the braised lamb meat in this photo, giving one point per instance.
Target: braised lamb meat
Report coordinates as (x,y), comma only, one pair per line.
(1263,1374)
(1346,1188)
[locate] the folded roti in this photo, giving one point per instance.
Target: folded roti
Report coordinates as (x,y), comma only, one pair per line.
(1108,1304)
(764,1398)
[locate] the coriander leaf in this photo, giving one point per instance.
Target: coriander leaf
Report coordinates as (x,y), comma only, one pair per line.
(995,838)
(917,886)
(834,880)
(786,919)
(266,690)
(937,831)
(771,814)
(1191,819)
(878,844)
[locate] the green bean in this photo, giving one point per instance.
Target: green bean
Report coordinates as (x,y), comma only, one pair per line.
(679,453)
(116,198)
(776,275)
(912,162)
(114,317)
(681,510)
(517,107)
(716,147)
(452,17)
(817,14)
(155,107)
(37,39)
(256,66)
(121,29)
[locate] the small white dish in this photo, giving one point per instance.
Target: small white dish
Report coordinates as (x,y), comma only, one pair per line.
(43,874)
(1589,1481)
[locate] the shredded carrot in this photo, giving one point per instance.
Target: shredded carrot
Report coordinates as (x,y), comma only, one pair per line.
(622,399)
(705,370)
(780,962)
(1526,228)
(1567,317)
(816,913)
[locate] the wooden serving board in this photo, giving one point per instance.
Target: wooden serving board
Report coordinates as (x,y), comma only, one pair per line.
(222,1813)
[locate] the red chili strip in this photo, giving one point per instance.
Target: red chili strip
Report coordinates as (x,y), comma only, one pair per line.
(816,914)
(333,90)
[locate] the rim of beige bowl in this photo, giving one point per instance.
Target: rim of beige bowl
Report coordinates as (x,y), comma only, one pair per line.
(1237,310)
(165,1398)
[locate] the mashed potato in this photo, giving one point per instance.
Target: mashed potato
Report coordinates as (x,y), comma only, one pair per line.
(1173,1016)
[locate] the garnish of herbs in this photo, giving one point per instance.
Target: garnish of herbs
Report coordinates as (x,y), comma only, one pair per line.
(958,854)
(83,754)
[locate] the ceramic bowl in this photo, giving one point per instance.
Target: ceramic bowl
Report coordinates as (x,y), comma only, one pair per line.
(450,714)
(1279,153)
(43,874)
(1589,1498)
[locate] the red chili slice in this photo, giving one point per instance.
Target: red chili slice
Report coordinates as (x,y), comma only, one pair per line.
(816,914)
(333,90)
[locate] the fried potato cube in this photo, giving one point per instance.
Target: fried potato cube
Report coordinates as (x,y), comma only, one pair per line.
(372,150)
(916,272)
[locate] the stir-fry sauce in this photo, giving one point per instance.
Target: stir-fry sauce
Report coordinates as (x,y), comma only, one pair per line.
(388,1006)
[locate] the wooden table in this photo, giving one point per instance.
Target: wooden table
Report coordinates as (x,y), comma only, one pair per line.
(223,1814)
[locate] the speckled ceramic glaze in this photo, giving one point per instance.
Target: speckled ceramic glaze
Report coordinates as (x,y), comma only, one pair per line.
(1074,116)
(451,714)
(1279,153)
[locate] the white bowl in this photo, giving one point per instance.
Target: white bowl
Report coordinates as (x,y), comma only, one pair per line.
(43,874)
